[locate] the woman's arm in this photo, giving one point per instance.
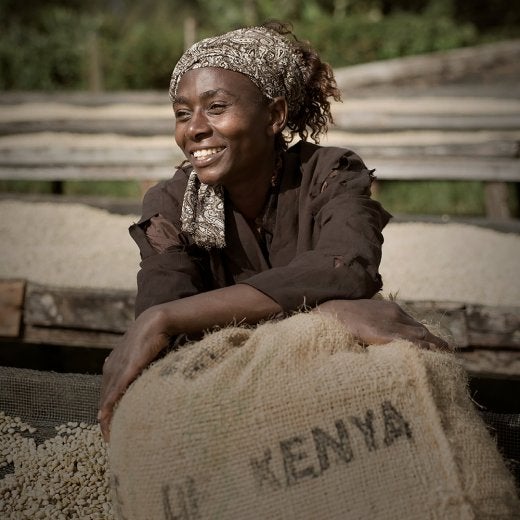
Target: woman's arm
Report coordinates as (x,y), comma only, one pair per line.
(149,334)
(376,322)
(370,321)
(339,230)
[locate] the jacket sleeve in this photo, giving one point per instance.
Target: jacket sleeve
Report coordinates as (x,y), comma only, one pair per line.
(176,269)
(343,259)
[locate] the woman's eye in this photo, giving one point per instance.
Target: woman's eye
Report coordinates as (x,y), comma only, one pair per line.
(181,115)
(217,108)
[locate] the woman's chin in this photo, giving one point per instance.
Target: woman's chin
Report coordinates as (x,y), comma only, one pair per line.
(208,178)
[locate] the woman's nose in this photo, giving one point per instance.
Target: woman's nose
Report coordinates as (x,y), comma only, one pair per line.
(198,126)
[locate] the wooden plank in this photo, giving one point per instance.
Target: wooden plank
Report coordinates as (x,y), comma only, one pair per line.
(70,337)
(11,307)
(493,326)
(503,148)
(491,362)
(371,106)
(60,156)
(83,309)
(84,98)
(143,127)
(93,173)
(349,121)
(57,155)
(377,122)
(387,168)
(446,318)
(446,168)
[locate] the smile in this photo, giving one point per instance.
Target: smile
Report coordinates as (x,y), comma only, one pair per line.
(199,154)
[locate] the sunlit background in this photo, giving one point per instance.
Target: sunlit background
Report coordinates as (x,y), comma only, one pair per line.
(123,45)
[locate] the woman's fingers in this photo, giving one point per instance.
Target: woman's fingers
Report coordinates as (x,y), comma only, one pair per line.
(117,377)
(381,321)
(138,348)
(418,334)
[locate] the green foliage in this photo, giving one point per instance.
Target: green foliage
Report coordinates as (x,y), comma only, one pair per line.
(47,45)
(143,56)
(118,189)
(366,37)
(46,55)
(432,197)
(25,186)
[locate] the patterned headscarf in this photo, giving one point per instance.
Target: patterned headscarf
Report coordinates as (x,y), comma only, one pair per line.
(276,67)
(267,58)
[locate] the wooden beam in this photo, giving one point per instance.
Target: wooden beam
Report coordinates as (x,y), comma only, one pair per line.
(491,363)
(60,156)
(70,337)
(11,307)
(144,127)
(85,98)
(446,318)
(493,326)
(82,309)
(446,168)
(387,168)
(57,155)
(430,152)
(471,325)
(93,173)
(380,122)
(97,318)
(353,122)
(496,199)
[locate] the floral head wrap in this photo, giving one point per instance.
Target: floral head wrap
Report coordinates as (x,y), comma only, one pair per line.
(266,57)
(276,66)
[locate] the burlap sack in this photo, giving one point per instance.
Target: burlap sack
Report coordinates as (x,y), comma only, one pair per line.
(293,421)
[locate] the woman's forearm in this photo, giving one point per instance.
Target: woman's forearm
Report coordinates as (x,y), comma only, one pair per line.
(149,334)
(239,303)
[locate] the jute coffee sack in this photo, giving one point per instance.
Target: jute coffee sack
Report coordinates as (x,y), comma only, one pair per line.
(293,420)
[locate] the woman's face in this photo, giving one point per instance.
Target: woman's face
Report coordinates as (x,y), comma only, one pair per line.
(224,126)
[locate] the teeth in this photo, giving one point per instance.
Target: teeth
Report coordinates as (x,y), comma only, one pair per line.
(204,153)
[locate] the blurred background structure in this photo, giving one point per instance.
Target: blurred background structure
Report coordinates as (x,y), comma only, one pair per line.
(121,45)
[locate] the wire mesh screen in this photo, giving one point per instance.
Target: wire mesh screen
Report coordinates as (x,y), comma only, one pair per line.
(46,400)
(505,427)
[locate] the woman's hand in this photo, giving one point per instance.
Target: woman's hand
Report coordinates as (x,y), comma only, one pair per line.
(381,321)
(152,330)
(140,345)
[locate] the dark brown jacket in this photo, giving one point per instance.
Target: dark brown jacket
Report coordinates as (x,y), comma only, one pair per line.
(320,237)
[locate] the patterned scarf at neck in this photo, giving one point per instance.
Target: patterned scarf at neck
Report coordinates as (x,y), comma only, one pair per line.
(202,213)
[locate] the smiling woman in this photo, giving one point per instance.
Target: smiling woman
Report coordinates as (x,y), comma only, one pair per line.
(249,229)
(224,131)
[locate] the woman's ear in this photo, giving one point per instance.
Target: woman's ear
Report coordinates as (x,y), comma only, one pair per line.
(278,115)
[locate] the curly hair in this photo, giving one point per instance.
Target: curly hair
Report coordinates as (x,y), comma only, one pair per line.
(314,115)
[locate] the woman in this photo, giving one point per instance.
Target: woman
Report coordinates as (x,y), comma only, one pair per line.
(248,229)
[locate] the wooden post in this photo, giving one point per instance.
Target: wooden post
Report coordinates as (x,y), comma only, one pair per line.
(190,31)
(11,307)
(250,12)
(496,200)
(95,74)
